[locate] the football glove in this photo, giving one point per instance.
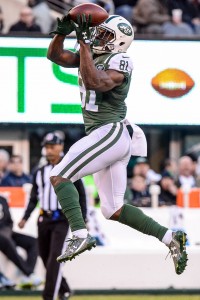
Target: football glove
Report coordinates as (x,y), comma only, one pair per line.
(82,28)
(64,26)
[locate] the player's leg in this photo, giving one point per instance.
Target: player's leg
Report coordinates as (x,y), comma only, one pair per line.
(44,238)
(9,248)
(111,184)
(83,158)
(176,241)
(29,244)
(87,156)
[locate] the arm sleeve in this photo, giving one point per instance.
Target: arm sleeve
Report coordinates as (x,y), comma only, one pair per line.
(82,197)
(122,63)
(33,199)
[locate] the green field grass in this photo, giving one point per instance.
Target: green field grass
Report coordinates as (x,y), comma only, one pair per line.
(119,297)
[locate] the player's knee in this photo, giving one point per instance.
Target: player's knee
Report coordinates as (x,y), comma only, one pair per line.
(55,180)
(110,213)
(115,216)
(54,172)
(107,212)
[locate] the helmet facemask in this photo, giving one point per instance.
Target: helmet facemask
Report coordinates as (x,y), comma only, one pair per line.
(103,39)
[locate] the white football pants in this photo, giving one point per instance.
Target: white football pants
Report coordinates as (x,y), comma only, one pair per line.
(104,153)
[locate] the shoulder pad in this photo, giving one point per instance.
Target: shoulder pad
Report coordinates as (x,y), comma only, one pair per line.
(120,62)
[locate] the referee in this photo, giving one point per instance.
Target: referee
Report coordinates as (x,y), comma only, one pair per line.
(52,224)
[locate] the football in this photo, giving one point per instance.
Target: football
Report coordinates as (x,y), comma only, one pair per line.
(172,83)
(98,13)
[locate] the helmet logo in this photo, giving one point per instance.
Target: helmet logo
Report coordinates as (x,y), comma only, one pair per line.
(100,67)
(125,28)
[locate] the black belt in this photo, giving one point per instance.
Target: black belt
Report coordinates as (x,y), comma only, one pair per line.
(51,213)
(130,130)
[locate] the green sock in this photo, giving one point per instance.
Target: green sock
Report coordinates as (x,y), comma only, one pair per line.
(135,218)
(69,200)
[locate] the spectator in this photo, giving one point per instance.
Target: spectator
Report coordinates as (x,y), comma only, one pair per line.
(10,240)
(186,173)
(52,224)
(142,167)
(26,22)
(140,192)
(15,176)
(149,16)
(124,8)
(108,5)
(4,160)
(1,20)
(193,156)
(196,4)
(170,166)
(168,190)
(190,14)
(196,160)
(42,14)
(177,27)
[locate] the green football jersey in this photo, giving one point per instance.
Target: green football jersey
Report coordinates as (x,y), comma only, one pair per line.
(100,108)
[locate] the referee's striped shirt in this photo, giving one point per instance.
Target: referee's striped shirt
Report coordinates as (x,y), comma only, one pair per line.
(43,192)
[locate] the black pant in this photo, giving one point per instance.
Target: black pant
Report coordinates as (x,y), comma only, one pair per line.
(8,244)
(51,238)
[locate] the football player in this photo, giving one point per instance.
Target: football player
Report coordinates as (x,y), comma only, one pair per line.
(105,71)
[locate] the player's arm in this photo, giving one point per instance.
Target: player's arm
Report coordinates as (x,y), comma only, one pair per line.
(58,55)
(32,203)
(93,79)
(97,80)
(56,52)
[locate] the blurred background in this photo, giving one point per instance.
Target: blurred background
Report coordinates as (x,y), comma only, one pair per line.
(38,97)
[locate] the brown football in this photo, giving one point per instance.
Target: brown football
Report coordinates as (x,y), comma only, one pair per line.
(172,83)
(98,13)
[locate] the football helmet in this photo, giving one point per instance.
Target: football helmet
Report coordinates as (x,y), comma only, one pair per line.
(114,35)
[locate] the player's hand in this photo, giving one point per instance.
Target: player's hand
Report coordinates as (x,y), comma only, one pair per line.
(82,28)
(64,26)
(21,224)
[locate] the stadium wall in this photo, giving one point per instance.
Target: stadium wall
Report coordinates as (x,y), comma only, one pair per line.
(130,260)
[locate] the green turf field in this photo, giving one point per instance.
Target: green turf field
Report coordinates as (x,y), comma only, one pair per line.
(119,297)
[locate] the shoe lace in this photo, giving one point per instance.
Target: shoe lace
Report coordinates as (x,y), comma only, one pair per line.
(169,253)
(71,241)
